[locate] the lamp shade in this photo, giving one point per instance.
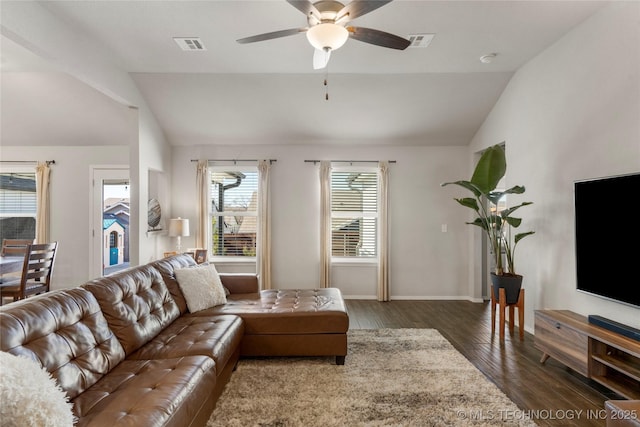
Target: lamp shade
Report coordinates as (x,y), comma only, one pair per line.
(178,227)
(327,35)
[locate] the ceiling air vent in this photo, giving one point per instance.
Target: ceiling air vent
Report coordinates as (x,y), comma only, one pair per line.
(190,43)
(420,40)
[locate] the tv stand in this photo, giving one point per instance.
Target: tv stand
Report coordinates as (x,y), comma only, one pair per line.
(606,357)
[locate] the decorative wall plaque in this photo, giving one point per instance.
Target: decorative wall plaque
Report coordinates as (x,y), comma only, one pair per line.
(154,214)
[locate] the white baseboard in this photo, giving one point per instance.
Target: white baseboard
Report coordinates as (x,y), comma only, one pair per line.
(367,297)
(417,298)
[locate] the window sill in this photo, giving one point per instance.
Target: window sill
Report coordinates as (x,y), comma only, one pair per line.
(362,262)
(233,260)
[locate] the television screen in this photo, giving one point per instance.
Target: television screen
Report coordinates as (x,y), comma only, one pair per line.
(607,231)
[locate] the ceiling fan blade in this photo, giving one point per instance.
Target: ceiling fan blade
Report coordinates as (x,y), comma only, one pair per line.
(378,38)
(359,7)
(272,35)
(321,58)
(305,7)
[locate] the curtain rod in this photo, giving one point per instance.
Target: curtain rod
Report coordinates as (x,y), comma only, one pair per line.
(234,160)
(48,162)
(348,161)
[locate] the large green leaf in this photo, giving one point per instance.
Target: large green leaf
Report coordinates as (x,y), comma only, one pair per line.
(513,222)
(516,189)
(507,212)
(480,223)
(468,202)
(466,184)
(490,169)
(521,236)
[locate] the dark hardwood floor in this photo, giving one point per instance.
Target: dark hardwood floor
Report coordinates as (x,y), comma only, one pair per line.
(551,394)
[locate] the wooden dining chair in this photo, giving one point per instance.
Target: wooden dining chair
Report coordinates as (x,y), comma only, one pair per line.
(12,247)
(36,273)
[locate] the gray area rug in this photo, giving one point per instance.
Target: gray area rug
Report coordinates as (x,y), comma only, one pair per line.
(392,377)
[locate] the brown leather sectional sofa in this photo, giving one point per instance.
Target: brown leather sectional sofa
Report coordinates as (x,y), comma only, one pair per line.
(127,351)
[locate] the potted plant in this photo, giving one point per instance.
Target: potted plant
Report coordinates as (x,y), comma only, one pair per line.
(497,225)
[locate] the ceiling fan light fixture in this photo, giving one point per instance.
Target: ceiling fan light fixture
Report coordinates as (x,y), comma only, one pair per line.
(327,35)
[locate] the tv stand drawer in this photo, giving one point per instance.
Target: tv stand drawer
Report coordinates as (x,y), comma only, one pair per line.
(557,336)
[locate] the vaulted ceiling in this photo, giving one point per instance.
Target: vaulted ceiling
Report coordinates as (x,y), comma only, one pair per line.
(268,92)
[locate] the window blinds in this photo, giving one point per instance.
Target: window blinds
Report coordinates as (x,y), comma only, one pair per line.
(354,212)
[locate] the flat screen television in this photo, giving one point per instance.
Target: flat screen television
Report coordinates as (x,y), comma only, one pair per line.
(607,233)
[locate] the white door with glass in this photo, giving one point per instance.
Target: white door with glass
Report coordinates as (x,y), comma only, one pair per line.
(110,216)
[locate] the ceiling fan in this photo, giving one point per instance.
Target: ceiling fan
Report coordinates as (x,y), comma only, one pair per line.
(328,29)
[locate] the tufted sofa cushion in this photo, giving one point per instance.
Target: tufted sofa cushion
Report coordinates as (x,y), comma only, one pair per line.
(217,337)
(136,303)
(166,392)
(66,333)
(166,267)
(288,311)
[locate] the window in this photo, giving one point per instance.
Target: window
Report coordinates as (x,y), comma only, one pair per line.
(354,213)
(18,205)
(234,208)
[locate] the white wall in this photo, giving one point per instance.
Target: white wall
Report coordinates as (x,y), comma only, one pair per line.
(571,113)
(425,262)
(70,202)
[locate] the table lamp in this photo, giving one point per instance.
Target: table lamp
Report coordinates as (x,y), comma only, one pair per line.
(178,227)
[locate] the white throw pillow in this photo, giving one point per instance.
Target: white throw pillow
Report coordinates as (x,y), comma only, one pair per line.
(30,396)
(201,287)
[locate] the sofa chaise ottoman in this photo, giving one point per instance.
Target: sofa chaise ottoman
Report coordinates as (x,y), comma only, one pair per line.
(278,322)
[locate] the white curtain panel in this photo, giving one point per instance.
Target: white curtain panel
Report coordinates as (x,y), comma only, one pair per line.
(264,226)
(325,224)
(383,232)
(202,189)
(43,173)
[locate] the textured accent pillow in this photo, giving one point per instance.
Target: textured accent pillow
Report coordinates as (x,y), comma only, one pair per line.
(227,292)
(30,396)
(201,287)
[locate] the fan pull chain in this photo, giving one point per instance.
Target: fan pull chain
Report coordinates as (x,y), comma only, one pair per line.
(326,84)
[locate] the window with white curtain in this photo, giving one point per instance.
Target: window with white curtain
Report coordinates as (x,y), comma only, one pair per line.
(18,202)
(233,192)
(354,212)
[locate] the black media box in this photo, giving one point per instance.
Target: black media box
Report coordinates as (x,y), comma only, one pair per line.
(619,328)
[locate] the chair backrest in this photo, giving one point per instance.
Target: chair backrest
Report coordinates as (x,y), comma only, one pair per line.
(15,246)
(38,265)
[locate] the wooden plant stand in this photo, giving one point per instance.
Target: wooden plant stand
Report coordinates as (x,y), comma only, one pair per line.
(502,302)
